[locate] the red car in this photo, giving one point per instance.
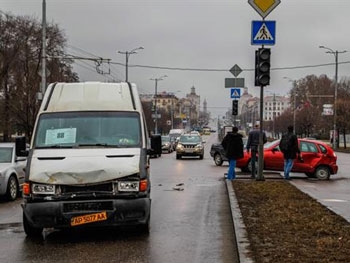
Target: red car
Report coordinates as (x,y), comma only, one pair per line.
(318,159)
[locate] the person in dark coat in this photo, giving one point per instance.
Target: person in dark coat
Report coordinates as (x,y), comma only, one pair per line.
(253,146)
(233,145)
(291,153)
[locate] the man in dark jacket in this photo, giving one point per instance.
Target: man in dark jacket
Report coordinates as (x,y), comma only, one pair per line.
(291,152)
(253,145)
(233,145)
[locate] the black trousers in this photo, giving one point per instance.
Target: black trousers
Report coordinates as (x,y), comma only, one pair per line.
(254,153)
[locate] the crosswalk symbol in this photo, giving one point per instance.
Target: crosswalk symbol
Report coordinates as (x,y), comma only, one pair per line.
(235,93)
(263,33)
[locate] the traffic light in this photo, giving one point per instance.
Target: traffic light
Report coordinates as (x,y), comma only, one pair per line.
(235,107)
(262,66)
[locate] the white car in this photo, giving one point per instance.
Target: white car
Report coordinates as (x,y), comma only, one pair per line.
(11,171)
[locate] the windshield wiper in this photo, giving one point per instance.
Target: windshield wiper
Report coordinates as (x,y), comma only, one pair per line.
(98,145)
(56,146)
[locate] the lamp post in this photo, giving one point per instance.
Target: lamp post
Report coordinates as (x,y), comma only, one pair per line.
(43,57)
(294,110)
(335,53)
(155,101)
(172,108)
(127,54)
(294,102)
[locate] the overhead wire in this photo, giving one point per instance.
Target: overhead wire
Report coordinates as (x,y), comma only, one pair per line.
(112,63)
(98,62)
(225,70)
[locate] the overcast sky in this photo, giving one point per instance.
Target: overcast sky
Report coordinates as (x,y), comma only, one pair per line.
(210,35)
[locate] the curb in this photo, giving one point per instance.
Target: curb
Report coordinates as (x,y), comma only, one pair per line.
(239,227)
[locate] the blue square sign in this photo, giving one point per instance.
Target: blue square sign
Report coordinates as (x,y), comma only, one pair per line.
(235,93)
(263,32)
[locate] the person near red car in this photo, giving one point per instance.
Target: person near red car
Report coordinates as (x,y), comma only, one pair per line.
(253,145)
(290,149)
(233,146)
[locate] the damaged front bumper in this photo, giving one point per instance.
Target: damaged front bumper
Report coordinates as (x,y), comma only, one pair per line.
(63,214)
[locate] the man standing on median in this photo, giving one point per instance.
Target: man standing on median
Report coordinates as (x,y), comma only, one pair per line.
(253,146)
(290,149)
(233,146)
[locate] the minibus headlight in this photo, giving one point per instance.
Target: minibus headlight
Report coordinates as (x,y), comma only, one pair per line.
(43,189)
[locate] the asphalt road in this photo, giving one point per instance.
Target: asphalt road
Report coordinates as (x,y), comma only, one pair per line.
(190,222)
(334,193)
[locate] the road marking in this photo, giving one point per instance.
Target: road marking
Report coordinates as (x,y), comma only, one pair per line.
(335,200)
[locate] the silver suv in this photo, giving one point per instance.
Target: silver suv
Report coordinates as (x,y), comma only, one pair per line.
(190,145)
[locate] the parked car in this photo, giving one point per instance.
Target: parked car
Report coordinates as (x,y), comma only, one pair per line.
(11,171)
(318,158)
(167,144)
(190,145)
(218,152)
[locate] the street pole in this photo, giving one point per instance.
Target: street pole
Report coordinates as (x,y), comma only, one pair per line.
(127,54)
(273,115)
(335,104)
(155,109)
(294,111)
(155,102)
(172,113)
(43,57)
(334,134)
(260,175)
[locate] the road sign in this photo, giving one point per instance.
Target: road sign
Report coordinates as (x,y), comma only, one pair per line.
(327,109)
(235,70)
(234,83)
(264,7)
(153,115)
(263,32)
(235,93)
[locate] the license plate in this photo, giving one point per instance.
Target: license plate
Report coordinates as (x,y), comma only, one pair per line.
(189,150)
(86,219)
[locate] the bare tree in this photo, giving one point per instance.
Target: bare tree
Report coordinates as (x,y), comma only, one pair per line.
(20,68)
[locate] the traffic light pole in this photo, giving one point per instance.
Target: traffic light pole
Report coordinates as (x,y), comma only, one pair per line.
(260,175)
(262,78)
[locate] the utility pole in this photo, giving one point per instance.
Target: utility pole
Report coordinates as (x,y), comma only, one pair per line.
(335,53)
(294,111)
(155,102)
(273,115)
(43,55)
(127,54)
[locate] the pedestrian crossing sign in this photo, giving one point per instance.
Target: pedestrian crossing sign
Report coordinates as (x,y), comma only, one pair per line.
(263,32)
(235,93)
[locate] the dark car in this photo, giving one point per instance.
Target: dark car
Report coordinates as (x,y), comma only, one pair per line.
(218,152)
(190,145)
(167,144)
(318,159)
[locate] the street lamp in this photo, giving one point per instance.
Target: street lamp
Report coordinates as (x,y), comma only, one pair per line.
(155,102)
(294,102)
(43,57)
(335,53)
(172,108)
(127,54)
